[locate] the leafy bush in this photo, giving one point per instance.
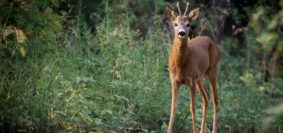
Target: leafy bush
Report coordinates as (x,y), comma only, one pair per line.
(57,75)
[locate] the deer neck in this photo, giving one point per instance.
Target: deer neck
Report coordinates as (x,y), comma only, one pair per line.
(179,55)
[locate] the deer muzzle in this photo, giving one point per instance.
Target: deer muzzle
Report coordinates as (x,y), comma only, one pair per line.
(182,34)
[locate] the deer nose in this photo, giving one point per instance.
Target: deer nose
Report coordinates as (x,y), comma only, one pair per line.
(182,33)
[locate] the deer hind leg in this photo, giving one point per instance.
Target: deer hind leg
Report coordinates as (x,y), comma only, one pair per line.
(175,93)
(213,85)
(193,105)
(205,99)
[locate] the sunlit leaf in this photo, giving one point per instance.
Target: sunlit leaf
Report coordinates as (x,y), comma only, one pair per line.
(22,51)
(248,79)
(272,24)
(20,36)
(97,121)
(275,110)
(265,37)
(106,112)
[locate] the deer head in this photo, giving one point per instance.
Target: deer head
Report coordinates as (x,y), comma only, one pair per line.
(182,22)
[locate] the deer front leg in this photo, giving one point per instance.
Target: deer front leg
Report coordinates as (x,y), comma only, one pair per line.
(193,105)
(175,93)
(205,99)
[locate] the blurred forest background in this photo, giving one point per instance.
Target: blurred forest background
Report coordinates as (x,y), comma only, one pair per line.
(101,65)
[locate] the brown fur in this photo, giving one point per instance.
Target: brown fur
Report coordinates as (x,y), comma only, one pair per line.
(193,59)
(189,62)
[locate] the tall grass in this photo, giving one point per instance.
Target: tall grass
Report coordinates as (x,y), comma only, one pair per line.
(115,80)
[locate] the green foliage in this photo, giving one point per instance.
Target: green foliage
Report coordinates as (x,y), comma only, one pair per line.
(116,79)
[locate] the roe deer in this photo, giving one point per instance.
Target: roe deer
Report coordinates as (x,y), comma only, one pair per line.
(189,62)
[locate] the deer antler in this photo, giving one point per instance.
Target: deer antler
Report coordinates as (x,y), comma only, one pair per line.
(186,8)
(178,8)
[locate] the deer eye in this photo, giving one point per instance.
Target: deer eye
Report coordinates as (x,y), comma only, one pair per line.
(188,25)
(176,24)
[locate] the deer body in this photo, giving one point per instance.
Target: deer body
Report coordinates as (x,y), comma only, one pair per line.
(189,59)
(189,62)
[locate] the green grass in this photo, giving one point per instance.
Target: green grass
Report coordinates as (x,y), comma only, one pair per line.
(117,81)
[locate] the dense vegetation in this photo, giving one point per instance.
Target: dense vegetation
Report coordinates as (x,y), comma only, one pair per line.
(101,66)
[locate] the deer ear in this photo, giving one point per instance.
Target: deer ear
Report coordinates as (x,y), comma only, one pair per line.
(169,13)
(193,15)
